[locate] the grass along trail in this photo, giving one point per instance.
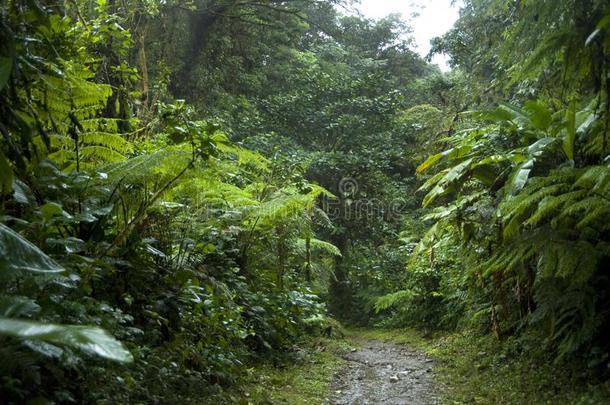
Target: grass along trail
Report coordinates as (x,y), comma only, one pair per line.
(374,366)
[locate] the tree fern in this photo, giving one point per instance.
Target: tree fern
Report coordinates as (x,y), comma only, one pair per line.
(71,113)
(551,213)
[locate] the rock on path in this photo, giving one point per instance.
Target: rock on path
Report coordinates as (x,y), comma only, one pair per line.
(381,373)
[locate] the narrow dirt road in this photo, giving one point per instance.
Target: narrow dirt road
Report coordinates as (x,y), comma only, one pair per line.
(385,374)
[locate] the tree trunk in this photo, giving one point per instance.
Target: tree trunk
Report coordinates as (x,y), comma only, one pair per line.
(142,62)
(281,256)
(308,259)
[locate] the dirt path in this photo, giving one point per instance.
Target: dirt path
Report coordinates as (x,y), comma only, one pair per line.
(384,373)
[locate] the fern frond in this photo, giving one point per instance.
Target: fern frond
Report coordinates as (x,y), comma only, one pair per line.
(390,300)
(319,246)
(550,205)
(108,140)
(100,154)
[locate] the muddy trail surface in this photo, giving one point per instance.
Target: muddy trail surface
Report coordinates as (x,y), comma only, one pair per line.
(385,373)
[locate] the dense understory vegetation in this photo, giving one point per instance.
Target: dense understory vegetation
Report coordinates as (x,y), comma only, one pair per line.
(188,188)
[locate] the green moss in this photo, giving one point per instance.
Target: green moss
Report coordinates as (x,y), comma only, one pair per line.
(306,380)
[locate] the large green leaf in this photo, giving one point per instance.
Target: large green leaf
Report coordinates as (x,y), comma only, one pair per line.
(539,115)
(431,161)
(17,306)
(520,176)
(90,339)
(495,115)
(541,146)
(18,254)
(486,174)
(453,153)
(518,114)
(50,210)
(448,183)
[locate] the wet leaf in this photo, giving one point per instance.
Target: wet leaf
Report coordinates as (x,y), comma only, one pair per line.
(89,339)
(18,254)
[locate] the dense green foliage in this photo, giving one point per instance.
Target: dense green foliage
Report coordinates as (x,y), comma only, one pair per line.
(156,229)
(190,187)
(518,243)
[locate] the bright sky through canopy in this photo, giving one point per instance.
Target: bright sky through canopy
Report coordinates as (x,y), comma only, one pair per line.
(433,18)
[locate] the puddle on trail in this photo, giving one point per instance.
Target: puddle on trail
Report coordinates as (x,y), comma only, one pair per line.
(381,373)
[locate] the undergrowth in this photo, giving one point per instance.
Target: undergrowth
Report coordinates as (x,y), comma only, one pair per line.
(305,377)
(479,370)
